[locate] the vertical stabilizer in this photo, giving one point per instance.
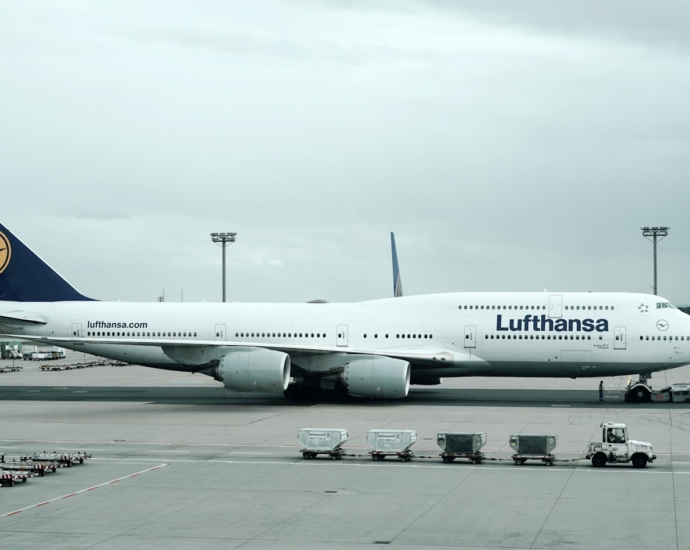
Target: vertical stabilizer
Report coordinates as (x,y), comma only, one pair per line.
(24,277)
(397,283)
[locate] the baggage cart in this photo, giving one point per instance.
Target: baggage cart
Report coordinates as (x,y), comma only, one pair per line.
(34,468)
(533,447)
(461,445)
(7,479)
(65,460)
(392,443)
(322,441)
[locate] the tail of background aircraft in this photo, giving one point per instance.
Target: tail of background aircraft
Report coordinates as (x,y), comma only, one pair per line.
(24,277)
(397,283)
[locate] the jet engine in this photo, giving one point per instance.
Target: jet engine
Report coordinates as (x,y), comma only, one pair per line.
(255,370)
(377,377)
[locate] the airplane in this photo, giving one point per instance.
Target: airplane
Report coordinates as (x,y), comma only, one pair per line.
(370,349)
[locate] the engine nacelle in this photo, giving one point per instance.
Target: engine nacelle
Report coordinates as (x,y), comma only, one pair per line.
(255,370)
(377,377)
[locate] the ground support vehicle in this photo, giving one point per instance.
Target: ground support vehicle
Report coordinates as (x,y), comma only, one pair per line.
(474,458)
(676,393)
(7,479)
(520,459)
(35,468)
(640,391)
(391,443)
(64,460)
(461,445)
(403,456)
(533,447)
(322,441)
(616,448)
(10,368)
(335,454)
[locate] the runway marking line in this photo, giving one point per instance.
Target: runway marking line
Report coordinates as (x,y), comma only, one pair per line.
(83,490)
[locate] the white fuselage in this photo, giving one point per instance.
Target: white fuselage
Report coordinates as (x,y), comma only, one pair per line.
(459,334)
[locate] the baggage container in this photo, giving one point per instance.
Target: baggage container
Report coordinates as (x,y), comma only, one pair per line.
(461,442)
(391,441)
(324,440)
(533,444)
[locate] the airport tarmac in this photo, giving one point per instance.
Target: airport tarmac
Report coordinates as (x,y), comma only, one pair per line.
(179,462)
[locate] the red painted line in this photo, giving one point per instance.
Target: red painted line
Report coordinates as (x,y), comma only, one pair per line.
(82,491)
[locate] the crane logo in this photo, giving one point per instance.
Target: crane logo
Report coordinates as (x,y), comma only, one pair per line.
(5,251)
(662,325)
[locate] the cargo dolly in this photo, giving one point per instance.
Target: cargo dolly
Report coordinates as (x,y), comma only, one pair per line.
(10,368)
(63,460)
(335,454)
(403,456)
(474,458)
(322,441)
(392,443)
(35,468)
(461,445)
(8,479)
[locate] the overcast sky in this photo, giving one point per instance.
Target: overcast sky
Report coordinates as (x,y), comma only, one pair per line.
(511,146)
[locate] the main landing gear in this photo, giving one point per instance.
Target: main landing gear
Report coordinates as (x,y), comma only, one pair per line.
(640,391)
(311,392)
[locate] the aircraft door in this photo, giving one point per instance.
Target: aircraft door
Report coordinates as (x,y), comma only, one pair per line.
(341,340)
(619,338)
(470,336)
(220,332)
(76,330)
(556,305)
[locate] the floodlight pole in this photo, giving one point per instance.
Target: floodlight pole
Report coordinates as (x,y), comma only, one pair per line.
(655,234)
(223,239)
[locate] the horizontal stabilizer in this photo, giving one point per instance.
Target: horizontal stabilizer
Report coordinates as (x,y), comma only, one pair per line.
(21,318)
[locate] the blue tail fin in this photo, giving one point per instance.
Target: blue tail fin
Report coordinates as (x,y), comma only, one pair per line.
(397,283)
(24,277)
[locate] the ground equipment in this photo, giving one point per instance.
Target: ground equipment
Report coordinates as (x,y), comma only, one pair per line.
(318,441)
(533,447)
(461,445)
(615,447)
(35,468)
(64,460)
(392,443)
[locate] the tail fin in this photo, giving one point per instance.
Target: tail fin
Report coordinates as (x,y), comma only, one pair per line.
(397,283)
(24,277)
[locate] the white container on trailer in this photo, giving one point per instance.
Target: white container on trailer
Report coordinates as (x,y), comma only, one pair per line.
(391,441)
(322,439)
(461,442)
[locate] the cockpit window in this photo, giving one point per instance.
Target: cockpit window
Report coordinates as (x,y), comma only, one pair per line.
(663,305)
